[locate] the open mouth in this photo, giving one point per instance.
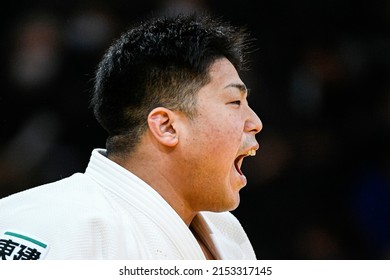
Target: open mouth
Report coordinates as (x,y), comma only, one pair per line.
(238,161)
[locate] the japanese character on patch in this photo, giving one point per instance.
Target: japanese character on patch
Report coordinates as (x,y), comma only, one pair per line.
(17,246)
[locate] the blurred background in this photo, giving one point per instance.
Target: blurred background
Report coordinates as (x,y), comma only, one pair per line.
(319,187)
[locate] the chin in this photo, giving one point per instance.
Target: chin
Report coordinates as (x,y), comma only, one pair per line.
(224,206)
(233,203)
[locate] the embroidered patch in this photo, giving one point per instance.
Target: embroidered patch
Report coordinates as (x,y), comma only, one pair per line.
(19,246)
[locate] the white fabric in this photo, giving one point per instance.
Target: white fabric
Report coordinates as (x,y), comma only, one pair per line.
(109,213)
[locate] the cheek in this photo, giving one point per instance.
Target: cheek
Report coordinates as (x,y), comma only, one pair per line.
(226,135)
(230,127)
(217,132)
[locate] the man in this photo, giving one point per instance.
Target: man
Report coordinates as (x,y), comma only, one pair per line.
(179,126)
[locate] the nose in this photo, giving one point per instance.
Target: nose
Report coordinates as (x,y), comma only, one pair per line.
(253,123)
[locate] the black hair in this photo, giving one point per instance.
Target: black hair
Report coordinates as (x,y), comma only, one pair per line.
(162,61)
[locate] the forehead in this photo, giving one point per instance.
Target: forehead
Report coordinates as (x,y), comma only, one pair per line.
(224,76)
(223,71)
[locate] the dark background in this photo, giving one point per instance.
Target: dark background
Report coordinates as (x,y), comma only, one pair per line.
(319,187)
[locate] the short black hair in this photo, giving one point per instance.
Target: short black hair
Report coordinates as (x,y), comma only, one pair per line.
(162,61)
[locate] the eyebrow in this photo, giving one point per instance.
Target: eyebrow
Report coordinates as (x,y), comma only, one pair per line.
(241,87)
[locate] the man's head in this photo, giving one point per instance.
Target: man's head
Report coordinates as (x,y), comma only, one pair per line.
(169,94)
(160,62)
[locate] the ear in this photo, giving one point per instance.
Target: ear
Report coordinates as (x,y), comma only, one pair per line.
(161,123)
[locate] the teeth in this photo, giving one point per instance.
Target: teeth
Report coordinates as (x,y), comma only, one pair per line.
(251,153)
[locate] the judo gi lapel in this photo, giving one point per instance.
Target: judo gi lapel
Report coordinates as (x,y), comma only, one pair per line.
(201,227)
(221,238)
(147,200)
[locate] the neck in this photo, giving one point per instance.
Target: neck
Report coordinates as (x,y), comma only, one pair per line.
(147,166)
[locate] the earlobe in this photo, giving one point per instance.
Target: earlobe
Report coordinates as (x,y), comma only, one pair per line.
(162,126)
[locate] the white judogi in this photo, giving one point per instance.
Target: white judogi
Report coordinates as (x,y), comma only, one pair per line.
(109,213)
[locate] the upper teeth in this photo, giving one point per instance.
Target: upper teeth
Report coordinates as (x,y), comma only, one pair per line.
(251,153)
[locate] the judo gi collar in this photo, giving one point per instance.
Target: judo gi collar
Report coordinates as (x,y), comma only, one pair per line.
(140,195)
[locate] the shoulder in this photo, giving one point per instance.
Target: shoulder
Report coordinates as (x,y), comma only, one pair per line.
(48,195)
(63,214)
(46,203)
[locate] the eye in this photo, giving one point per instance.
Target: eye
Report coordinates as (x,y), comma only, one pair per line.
(236,102)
